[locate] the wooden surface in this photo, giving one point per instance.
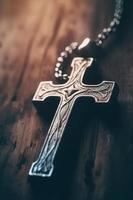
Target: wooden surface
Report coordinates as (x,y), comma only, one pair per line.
(32,33)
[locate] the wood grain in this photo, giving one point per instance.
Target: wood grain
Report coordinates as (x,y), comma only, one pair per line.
(32,33)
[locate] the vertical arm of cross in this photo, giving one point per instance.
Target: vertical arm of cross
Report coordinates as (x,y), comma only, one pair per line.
(79,65)
(44,164)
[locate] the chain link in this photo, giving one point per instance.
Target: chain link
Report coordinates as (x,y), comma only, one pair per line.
(113,24)
(103,36)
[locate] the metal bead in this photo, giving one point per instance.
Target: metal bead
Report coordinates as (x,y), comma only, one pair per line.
(58,65)
(65,76)
(116,15)
(68,48)
(100,42)
(56,69)
(74,45)
(109,30)
(60,75)
(56,75)
(60,72)
(112,24)
(60,59)
(70,51)
(105,30)
(64,54)
(117,21)
(100,36)
(103,37)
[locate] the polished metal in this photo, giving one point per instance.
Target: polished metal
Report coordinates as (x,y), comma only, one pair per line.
(68,93)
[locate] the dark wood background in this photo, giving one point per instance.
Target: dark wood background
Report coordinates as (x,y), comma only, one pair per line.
(32,33)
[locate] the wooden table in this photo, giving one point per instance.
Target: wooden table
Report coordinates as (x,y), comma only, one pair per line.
(32,34)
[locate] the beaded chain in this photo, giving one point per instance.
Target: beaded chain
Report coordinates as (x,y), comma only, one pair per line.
(106,32)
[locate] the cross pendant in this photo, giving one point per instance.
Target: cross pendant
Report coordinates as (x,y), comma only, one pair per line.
(68,93)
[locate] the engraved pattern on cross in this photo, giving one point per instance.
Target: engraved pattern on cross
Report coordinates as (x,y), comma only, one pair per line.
(68,93)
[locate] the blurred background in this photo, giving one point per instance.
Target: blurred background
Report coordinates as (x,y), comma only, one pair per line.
(32,34)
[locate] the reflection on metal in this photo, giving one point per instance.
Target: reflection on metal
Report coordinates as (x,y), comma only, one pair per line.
(68,93)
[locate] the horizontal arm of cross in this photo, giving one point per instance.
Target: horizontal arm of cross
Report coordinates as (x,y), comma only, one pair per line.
(46,89)
(101,92)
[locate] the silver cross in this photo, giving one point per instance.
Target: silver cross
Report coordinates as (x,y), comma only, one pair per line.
(68,93)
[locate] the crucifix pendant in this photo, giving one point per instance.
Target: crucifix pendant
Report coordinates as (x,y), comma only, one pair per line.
(68,93)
